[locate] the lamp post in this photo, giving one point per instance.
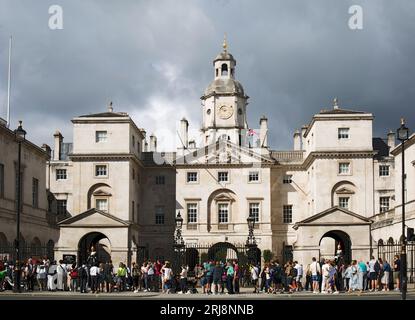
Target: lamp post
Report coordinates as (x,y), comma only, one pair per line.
(178,245)
(20,135)
(251,242)
(403,135)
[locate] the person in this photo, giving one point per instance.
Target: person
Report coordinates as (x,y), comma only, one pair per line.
(236,277)
(135,271)
(108,276)
(208,266)
(354,279)
(150,276)
(263,277)
(94,272)
(52,276)
(380,273)
(396,272)
(254,277)
(315,273)
(362,271)
(308,282)
(121,277)
(217,278)
(277,276)
(230,273)
(41,274)
(183,279)
(144,272)
(101,277)
(385,278)
(74,278)
(298,278)
(347,275)
(373,273)
(30,274)
(157,274)
(83,278)
(167,277)
(332,278)
(325,271)
(92,259)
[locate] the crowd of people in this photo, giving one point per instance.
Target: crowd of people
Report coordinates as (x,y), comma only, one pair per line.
(210,277)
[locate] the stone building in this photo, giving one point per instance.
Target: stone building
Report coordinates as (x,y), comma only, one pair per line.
(38,229)
(114,190)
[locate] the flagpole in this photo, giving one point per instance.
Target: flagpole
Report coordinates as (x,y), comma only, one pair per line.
(9,82)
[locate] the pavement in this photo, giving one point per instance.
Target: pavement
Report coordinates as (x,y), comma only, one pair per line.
(245,294)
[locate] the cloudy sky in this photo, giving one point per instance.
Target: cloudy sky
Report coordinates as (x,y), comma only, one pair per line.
(153,59)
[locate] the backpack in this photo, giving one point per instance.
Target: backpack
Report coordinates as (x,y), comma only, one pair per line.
(74,274)
(294,272)
(377,267)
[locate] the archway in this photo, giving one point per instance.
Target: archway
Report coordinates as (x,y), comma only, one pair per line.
(101,244)
(330,241)
(223,251)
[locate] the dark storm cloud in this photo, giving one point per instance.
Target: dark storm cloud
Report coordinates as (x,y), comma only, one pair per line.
(154,60)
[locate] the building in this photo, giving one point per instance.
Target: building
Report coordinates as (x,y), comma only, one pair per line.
(115,191)
(38,230)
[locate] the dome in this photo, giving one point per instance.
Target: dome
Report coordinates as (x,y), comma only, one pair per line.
(224,56)
(227,85)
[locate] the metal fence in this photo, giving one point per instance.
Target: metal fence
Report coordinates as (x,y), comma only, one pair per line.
(387,251)
(27,250)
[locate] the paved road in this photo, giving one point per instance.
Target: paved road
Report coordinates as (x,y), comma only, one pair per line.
(245,295)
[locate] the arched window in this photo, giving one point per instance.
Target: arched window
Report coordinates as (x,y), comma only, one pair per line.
(224,69)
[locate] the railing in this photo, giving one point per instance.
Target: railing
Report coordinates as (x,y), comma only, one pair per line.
(292,155)
(8,251)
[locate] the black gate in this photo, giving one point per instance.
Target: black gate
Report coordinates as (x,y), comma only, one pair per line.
(387,251)
(8,251)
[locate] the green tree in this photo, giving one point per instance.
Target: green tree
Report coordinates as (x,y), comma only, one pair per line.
(268,255)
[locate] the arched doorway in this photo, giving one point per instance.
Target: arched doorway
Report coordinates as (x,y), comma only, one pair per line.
(330,242)
(101,244)
(192,257)
(223,251)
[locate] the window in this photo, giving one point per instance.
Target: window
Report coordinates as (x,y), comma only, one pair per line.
(2,180)
(61,207)
(343,133)
(287,179)
(253,176)
(35,193)
(384,204)
(224,71)
(192,177)
(344,202)
(100,136)
(254,210)
(192,213)
(160,179)
(133,141)
(101,204)
(344,168)
(61,174)
(159,215)
(100,170)
(287,212)
(223,212)
(223,176)
(383,170)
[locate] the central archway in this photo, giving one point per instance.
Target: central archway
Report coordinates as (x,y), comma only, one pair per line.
(101,243)
(330,242)
(223,251)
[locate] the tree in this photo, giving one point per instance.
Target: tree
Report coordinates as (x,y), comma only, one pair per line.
(268,255)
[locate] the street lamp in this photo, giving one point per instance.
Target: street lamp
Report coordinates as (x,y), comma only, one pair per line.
(178,239)
(403,135)
(20,135)
(251,242)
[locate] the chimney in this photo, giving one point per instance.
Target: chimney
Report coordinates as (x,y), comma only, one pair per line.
(153,143)
(58,145)
(184,130)
(47,149)
(263,132)
(297,140)
(391,140)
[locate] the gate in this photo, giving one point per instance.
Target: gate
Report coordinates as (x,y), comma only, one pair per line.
(390,249)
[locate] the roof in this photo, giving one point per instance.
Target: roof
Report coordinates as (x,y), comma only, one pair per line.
(340,111)
(227,85)
(110,219)
(381,147)
(105,115)
(224,56)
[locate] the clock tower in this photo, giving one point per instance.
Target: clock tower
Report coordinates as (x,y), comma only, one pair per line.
(224,103)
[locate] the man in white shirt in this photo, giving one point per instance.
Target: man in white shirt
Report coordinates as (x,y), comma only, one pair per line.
(255,276)
(325,271)
(315,272)
(298,278)
(93,272)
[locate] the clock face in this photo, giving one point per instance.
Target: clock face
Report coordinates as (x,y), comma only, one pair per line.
(225,112)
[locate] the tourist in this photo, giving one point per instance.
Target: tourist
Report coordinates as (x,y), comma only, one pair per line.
(167,277)
(230,273)
(347,275)
(308,282)
(362,271)
(30,272)
(354,279)
(183,279)
(41,275)
(108,276)
(277,276)
(83,278)
(325,271)
(373,273)
(386,274)
(74,275)
(135,271)
(144,272)
(217,278)
(94,272)
(236,279)
(255,277)
(52,276)
(315,274)
(396,272)
(62,276)
(299,268)
(150,276)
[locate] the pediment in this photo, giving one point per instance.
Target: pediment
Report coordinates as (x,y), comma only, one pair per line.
(224,197)
(344,190)
(93,218)
(224,152)
(101,193)
(334,216)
